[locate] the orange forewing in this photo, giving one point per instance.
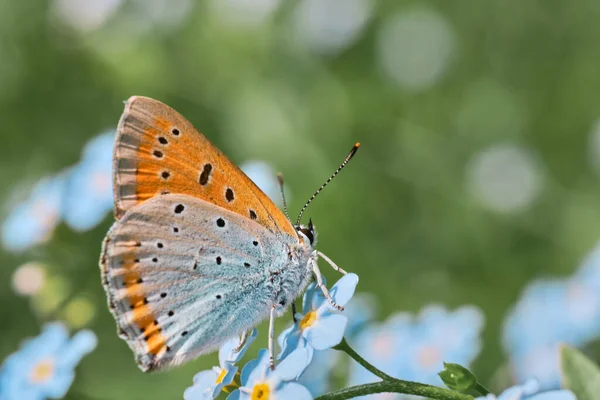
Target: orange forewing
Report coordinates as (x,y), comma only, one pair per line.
(158,151)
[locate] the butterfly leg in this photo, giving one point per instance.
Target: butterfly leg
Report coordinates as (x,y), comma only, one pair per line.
(317,274)
(330,262)
(271,337)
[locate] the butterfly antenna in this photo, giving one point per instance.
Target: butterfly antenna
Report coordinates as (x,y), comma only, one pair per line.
(337,171)
(285,210)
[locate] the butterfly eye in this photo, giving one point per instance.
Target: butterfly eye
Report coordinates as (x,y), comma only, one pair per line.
(282,302)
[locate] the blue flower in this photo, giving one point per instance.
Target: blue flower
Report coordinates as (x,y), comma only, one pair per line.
(260,382)
(44,366)
(208,384)
(88,194)
(416,348)
(550,312)
(316,376)
(32,221)
(360,311)
(320,326)
(530,391)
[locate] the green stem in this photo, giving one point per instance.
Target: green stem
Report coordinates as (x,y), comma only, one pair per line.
(395,386)
(482,389)
(389,384)
(345,347)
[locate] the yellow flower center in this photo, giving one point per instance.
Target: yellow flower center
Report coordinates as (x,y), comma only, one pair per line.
(261,392)
(42,371)
(308,320)
(221,376)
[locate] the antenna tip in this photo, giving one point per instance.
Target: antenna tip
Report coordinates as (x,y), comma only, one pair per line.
(280,178)
(357,145)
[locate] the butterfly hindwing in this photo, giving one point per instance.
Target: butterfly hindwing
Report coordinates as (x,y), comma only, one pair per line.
(158,151)
(183,275)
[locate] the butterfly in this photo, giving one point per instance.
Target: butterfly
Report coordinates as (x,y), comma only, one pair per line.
(198,253)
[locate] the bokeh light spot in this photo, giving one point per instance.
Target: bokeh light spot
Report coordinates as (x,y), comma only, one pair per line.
(28,279)
(505,178)
(415,48)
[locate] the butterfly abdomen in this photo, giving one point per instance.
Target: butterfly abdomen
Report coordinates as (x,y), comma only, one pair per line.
(289,280)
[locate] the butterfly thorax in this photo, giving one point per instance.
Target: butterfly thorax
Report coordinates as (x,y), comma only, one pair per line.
(289,281)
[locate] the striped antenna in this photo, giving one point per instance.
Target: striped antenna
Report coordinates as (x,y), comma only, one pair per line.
(280,180)
(337,171)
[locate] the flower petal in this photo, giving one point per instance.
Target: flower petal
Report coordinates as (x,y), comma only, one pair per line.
(290,340)
(198,392)
(312,297)
(343,290)
(227,351)
(294,391)
(554,395)
(292,366)
(235,395)
(205,378)
(327,331)
(81,344)
(256,369)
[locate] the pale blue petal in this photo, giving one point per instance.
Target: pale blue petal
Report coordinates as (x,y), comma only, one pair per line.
(205,378)
(513,393)
(81,344)
(530,387)
(88,195)
(554,395)
(197,392)
(290,340)
(52,339)
(256,369)
(292,390)
(58,386)
(283,335)
(227,353)
(316,377)
(237,395)
(327,331)
(360,311)
(344,289)
(307,300)
(292,366)
(33,220)
(227,379)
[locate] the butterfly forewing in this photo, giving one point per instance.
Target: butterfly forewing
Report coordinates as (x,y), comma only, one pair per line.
(158,151)
(184,275)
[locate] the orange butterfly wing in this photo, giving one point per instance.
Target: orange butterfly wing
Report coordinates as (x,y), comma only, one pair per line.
(158,151)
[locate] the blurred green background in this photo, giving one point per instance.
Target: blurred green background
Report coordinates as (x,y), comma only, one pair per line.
(478,169)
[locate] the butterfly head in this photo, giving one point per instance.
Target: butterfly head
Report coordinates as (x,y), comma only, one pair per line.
(308,233)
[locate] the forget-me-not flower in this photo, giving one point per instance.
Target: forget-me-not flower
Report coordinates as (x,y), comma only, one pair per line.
(33,220)
(88,195)
(416,348)
(208,384)
(44,367)
(530,391)
(320,326)
(360,311)
(548,313)
(259,382)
